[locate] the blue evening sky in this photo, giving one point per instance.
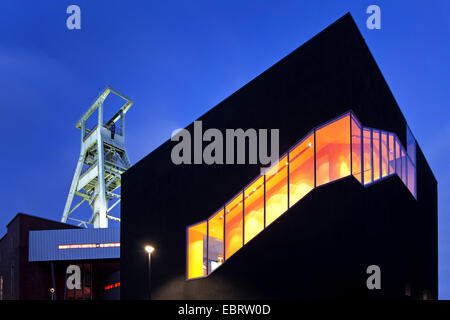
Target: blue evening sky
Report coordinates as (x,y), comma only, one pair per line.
(176,60)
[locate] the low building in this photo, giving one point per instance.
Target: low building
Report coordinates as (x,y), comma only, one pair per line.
(41,259)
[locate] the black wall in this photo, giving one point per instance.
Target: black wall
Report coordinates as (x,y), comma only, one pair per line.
(323,246)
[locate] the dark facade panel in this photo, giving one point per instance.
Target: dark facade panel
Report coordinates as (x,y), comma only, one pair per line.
(332,73)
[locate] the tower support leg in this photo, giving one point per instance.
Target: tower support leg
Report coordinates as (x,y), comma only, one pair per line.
(73,187)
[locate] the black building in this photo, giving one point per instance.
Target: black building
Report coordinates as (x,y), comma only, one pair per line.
(352,189)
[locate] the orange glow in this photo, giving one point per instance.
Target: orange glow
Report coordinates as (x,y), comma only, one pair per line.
(356,150)
(215,240)
(336,150)
(276,191)
(367,156)
(384,155)
(333,151)
(301,170)
(216,226)
(376,154)
(254,209)
(233,226)
(391,154)
(196,252)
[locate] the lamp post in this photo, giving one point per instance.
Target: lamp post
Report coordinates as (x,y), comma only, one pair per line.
(149,250)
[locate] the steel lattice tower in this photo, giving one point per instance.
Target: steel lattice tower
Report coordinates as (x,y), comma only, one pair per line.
(102,160)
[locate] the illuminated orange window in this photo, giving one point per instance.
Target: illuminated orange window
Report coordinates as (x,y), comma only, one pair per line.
(384,155)
(356,150)
(197,250)
(367,156)
(233,226)
(391,154)
(254,209)
(333,151)
(301,170)
(376,154)
(215,241)
(276,191)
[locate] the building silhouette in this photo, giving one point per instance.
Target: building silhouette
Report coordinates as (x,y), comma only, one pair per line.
(352,189)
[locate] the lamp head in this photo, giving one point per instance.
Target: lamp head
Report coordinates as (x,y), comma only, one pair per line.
(149,249)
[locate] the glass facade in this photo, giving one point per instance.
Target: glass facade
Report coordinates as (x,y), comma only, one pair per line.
(411,175)
(253,209)
(356,149)
(276,191)
(376,154)
(197,236)
(384,154)
(301,169)
(234,213)
(391,154)
(337,149)
(403,154)
(367,147)
(410,145)
(215,240)
(333,151)
(398,159)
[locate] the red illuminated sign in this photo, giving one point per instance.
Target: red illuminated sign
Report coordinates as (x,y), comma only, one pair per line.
(114,285)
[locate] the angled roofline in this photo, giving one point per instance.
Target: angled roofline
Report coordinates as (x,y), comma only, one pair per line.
(21,214)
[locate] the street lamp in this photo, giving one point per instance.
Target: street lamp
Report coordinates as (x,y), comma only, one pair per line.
(149,250)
